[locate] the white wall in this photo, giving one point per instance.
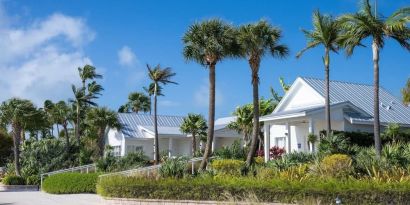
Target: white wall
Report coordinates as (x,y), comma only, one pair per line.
(301,96)
(220,142)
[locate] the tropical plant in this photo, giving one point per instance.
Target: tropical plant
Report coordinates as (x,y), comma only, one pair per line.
(16,112)
(276,152)
(255,41)
(235,151)
(243,122)
(88,72)
(208,43)
(101,119)
(334,144)
(173,167)
(6,147)
(312,139)
(194,124)
(64,115)
(366,23)
(405,92)
(158,76)
(392,131)
(150,91)
(326,32)
(137,102)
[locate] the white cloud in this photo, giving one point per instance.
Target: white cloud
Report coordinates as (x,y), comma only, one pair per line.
(39,61)
(126,57)
(201,96)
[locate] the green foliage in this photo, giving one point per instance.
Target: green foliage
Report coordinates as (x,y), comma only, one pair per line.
(267,190)
(137,102)
(228,166)
(337,166)
(6,147)
(109,163)
(312,138)
(70,183)
(13,180)
(405,92)
(235,151)
(33,180)
(334,144)
(291,159)
(173,167)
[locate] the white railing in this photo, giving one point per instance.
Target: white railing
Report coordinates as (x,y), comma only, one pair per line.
(84,168)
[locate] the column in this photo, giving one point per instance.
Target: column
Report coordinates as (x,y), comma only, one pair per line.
(170,142)
(266,136)
(213,144)
(288,139)
(311,131)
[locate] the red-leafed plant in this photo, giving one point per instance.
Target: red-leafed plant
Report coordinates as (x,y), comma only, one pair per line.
(276,152)
(260,153)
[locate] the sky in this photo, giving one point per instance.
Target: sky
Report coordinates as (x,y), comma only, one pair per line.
(43,43)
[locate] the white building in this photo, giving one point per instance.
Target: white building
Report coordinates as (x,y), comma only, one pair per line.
(137,134)
(302,111)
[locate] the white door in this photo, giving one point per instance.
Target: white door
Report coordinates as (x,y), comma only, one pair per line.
(281,142)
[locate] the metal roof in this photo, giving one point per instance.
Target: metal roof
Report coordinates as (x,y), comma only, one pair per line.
(391,109)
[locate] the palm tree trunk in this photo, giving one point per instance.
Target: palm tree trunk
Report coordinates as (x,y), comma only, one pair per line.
(327,90)
(193,144)
(67,138)
(101,131)
(377,142)
(211,117)
(17,137)
(156,140)
(58,131)
(255,130)
(77,125)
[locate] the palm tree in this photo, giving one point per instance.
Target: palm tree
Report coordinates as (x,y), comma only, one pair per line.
(208,43)
(150,91)
(405,92)
(88,72)
(63,114)
(243,123)
(257,40)
(326,32)
(101,119)
(16,112)
(195,125)
(367,24)
(158,76)
(138,102)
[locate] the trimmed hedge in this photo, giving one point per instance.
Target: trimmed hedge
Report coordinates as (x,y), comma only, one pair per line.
(13,180)
(275,190)
(70,183)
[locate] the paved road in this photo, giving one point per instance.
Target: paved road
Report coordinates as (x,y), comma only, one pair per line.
(40,198)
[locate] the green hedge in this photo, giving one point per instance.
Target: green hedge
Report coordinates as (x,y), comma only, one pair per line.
(13,180)
(350,191)
(70,183)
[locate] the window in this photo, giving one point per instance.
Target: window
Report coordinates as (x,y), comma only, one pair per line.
(117,151)
(134,148)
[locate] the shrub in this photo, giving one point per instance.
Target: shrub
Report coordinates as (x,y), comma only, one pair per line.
(334,144)
(266,190)
(228,166)
(259,160)
(235,151)
(276,152)
(173,167)
(298,173)
(266,173)
(337,165)
(13,180)
(6,147)
(33,180)
(110,163)
(70,183)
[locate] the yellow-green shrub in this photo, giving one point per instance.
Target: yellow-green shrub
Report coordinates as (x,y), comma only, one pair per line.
(297,173)
(266,173)
(259,160)
(228,166)
(336,165)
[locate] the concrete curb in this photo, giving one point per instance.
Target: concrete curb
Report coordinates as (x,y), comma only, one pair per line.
(16,188)
(126,201)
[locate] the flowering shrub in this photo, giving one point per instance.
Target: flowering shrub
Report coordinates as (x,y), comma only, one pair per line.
(276,152)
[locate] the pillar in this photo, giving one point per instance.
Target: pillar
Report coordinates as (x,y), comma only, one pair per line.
(170,144)
(288,139)
(266,136)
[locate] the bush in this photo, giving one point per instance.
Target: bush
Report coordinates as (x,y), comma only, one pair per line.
(173,167)
(276,152)
(267,190)
(235,151)
(33,180)
(334,144)
(13,180)
(228,166)
(337,165)
(266,173)
(70,183)
(110,163)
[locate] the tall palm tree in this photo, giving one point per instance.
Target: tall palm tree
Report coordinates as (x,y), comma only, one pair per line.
(150,91)
(194,124)
(101,119)
(208,43)
(405,92)
(326,32)
(243,123)
(63,115)
(88,72)
(367,24)
(158,76)
(257,40)
(138,102)
(16,112)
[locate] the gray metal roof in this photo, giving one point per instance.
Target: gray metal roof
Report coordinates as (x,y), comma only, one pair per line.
(134,124)
(391,109)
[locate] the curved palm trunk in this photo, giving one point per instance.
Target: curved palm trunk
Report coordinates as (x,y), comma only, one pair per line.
(77,126)
(101,131)
(16,142)
(67,138)
(193,144)
(156,140)
(327,90)
(377,142)
(211,117)
(256,129)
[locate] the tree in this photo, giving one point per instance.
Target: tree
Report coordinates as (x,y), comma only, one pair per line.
(137,102)
(101,119)
(208,43)
(63,115)
(405,92)
(194,124)
(6,147)
(16,112)
(88,72)
(257,40)
(326,32)
(158,76)
(150,91)
(367,24)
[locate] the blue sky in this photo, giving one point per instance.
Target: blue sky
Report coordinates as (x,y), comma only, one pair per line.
(44,42)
